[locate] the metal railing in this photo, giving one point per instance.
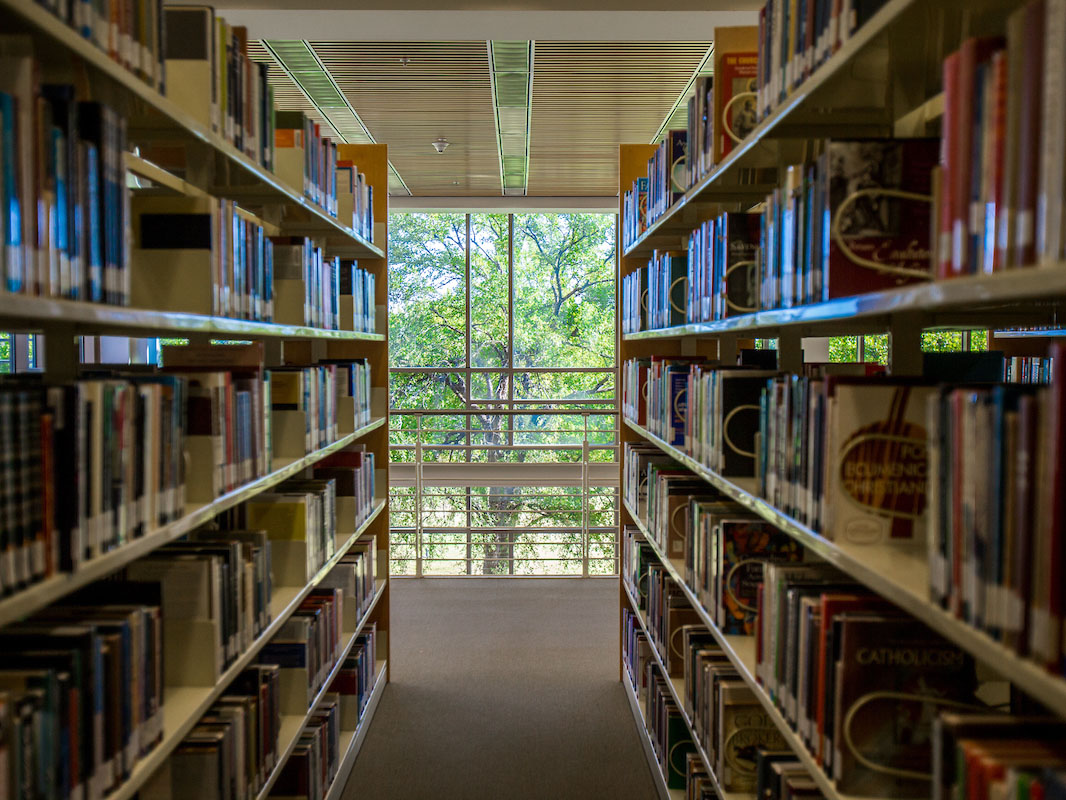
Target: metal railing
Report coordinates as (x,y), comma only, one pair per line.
(504,491)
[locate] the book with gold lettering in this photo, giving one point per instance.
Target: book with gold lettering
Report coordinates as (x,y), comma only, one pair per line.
(875,460)
(893,677)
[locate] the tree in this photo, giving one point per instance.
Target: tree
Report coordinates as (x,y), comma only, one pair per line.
(563,285)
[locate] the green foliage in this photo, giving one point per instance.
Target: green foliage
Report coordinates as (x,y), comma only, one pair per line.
(560,270)
(844,348)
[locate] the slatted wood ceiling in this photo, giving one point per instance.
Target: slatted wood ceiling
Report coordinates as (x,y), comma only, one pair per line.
(588,97)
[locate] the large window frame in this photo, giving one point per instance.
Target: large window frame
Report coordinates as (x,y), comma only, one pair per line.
(508,406)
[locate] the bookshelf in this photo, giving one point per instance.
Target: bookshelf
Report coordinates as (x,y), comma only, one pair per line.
(215,169)
(897,56)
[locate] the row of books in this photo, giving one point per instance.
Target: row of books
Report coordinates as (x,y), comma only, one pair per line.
(855,219)
(993,517)
(233,749)
(360,285)
(1001,182)
(823,644)
(780,775)
(353,470)
(670,737)
(356,575)
(82,669)
(100,462)
(212,79)
(721,113)
(92,465)
(997,755)
(721,544)
(306,647)
(307,284)
(858,680)
(215,587)
(299,516)
(131,35)
(355,199)
(81,696)
(794,38)
(201,255)
(313,766)
(62,186)
(307,160)
(1028,369)
(229,435)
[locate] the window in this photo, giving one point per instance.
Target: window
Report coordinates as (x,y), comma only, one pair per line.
(502,358)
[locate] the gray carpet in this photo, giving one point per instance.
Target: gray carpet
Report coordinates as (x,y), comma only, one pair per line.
(503,688)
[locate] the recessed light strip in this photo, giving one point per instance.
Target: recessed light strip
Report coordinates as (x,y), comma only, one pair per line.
(299,61)
(511,77)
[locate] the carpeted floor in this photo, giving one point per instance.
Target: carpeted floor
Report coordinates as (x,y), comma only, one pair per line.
(503,689)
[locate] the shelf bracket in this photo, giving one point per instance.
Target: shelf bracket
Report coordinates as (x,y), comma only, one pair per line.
(790,352)
(61,353)
(905,344)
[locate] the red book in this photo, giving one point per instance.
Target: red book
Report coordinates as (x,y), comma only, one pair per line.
(832,605)
(1029,135)
(997,165)
(960,157)
(949,145)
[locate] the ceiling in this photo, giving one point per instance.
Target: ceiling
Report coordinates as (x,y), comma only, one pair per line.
(593,74)
(585,99)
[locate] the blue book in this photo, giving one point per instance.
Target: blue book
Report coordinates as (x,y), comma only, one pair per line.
(14,268)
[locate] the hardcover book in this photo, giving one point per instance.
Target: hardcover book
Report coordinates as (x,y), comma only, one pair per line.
(876,461)
(894,675)
(744,546)
(877,239)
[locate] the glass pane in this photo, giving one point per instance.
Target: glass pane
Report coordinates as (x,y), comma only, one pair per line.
(942,341)
(488,290)
(844,349)
(564,388)
(489,385)
(427,390)
(427,292)
(564,290)
(876,348)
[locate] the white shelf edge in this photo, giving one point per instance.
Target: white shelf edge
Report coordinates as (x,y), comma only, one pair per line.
(827,785)
(679,701)
(657,777)
(44,313)
(146,766)
(50,25)
(1043,686)
(836,63)
(968,296)
(290,743)
(358,736)
(39,595)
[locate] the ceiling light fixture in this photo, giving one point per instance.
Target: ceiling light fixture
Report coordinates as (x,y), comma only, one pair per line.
(440,145)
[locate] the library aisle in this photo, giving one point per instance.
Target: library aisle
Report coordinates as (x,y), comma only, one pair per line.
(503,688)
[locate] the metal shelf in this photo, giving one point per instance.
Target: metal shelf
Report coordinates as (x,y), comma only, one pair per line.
(293,724)
(972,301)
(649,752)
(898,574)
(352,741)
(183,706)
(37,596)
(677,689)
(21,312)
(740,650)
(167,118)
